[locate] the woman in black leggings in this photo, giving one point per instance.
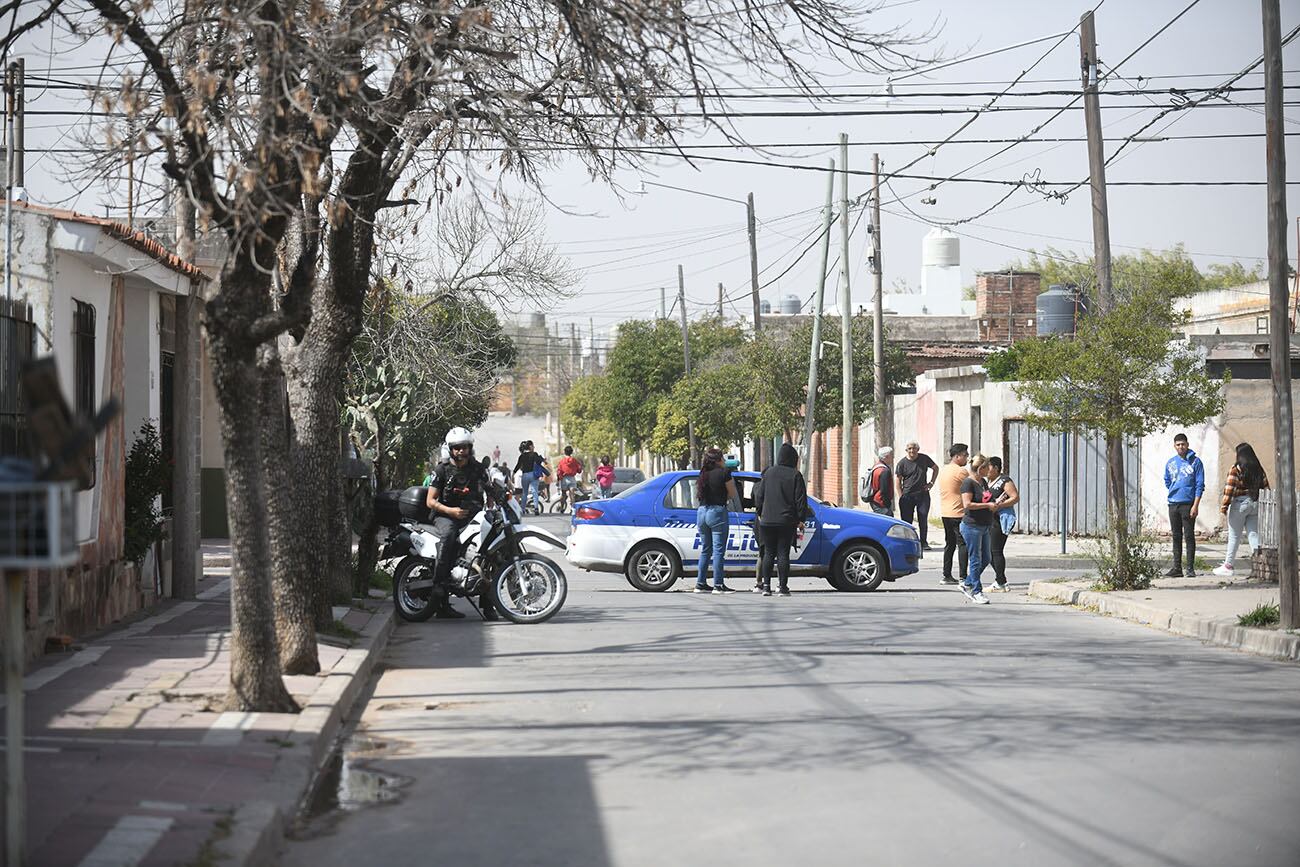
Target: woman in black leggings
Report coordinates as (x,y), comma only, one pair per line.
(1006,494)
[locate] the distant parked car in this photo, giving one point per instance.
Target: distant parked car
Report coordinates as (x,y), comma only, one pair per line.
(626,477)
(648,533)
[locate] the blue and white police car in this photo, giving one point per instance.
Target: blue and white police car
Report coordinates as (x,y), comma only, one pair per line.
(648,533)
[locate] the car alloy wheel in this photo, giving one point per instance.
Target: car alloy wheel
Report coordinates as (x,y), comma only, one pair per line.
(653,568)
(859,568)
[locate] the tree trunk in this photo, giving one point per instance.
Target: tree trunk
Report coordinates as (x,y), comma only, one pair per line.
(256,683)
(295,618)
(1119,528)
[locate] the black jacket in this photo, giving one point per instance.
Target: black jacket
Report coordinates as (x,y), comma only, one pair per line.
(781,497)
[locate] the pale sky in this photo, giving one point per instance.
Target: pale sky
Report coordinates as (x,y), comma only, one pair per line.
(628,247)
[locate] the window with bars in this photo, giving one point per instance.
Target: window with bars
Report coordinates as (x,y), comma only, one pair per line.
(83,362)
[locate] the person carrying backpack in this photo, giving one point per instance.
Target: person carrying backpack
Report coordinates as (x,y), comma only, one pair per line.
(877,488)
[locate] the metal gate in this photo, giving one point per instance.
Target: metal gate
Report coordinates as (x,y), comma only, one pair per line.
(1033,460)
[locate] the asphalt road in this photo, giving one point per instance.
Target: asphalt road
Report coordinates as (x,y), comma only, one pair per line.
(899,727)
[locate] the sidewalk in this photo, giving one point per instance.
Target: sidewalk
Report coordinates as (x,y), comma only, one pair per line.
(1204,607)
(1031,551)
(130,762)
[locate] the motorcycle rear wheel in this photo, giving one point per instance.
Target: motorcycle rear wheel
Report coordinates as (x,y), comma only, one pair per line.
(529,590)
(415,605)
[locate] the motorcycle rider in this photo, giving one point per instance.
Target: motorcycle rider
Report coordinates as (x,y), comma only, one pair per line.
(457,492)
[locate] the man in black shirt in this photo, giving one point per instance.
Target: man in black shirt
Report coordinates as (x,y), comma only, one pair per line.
(915,473)
(457,492)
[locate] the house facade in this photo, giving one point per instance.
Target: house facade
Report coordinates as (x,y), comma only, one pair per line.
(120,314)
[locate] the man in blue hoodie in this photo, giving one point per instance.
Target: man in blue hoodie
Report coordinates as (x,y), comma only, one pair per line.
(1185,481)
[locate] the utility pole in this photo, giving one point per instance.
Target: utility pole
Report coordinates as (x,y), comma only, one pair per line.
(663,303)
(720,299)
(686,355)
(762,446)
(1101,239)
(884,419)
(11,88)
(846,334)
(1279,332)
(1096,158)
(815,350)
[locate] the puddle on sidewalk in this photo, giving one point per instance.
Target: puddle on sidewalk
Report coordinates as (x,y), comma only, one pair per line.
(345,785)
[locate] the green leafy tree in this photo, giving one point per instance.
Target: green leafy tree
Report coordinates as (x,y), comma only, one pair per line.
(1172,270)
(584,415)
(643,365)
(716,400)
(1123,374)
(1234,273)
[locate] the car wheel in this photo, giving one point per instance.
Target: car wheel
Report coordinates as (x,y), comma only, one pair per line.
(858,568)
(653,567)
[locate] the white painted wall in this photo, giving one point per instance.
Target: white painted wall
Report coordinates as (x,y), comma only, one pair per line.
(141,356)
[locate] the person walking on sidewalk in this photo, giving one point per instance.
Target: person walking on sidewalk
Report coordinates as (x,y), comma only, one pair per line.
(1005,496)
(605,477)
(949,480)
(781,502)
(714,490)
(1185,481)
(1241,504)
(978,512)
(914,482)
(877,488)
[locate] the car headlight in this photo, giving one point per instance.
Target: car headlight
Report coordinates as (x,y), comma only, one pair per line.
(903,531)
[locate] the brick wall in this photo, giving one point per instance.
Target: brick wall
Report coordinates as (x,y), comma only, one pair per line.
(1006,305)
(826,484)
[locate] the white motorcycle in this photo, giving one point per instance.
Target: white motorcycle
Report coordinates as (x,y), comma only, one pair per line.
(495,561)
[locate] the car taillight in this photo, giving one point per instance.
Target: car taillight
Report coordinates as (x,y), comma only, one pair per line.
(587,513)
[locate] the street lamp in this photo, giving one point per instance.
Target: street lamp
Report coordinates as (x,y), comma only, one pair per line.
(762,450)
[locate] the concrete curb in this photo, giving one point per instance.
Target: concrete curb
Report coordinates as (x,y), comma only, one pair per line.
(258,827)
(1220,632)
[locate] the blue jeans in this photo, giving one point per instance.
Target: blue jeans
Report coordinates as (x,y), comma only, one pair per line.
(980,547)
(711,522)
(529,483)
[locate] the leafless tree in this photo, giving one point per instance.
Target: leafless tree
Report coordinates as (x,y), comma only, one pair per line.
(252,104)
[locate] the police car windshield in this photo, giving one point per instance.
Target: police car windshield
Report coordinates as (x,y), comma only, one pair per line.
(632,491)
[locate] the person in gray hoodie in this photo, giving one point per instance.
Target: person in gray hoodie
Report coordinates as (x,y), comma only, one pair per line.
(781,501)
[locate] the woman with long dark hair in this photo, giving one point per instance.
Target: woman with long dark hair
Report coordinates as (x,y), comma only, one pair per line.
(1005,496)
(1240,503)
(714,491)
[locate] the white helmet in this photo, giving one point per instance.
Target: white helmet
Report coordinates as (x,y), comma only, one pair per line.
(459,436)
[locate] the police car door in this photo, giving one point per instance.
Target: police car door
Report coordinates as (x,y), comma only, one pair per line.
(677,516)
(742,538)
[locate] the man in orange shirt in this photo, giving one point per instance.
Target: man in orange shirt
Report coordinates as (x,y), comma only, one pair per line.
(951,511)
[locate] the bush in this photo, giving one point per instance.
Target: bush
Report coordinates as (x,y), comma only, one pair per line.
(1130,567)
(146,478)
(1262,615)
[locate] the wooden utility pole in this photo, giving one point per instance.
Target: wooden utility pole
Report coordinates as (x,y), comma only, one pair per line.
(1096,159)
(1101,246)
(762,446)
(884,421)
(846,335)
(1279,326)
(686,356)
(663,303)
(720,299)
(815,348)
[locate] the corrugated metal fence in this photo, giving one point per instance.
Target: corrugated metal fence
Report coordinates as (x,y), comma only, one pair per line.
(1034,461)
(1268,519)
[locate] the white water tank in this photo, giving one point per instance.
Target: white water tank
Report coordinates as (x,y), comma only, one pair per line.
(790,304)
(941,248)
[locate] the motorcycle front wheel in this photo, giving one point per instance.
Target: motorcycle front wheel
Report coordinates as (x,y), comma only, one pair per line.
(413,589)
(529,590)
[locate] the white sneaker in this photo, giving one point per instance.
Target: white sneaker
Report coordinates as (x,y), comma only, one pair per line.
(965,591)
(1224,571)
(980,599)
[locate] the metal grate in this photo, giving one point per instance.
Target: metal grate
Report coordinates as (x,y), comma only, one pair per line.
(37,525)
